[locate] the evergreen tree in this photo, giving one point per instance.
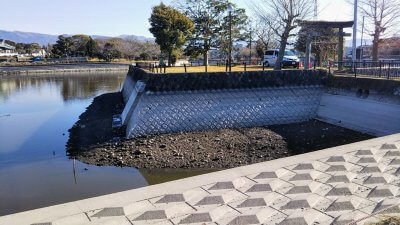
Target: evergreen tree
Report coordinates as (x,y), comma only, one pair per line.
(171,30)
(212,25)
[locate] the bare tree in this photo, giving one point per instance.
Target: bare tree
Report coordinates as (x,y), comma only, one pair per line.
(382,17)
(265,34)
(283,17)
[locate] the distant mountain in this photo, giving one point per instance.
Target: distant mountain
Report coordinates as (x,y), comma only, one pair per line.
(44,39)
(28,37)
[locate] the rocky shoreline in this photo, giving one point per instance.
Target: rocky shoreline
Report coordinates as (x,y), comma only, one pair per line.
(92,141)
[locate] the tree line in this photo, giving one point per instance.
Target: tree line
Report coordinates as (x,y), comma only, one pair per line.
(194,27)
(105,49)
(23,48)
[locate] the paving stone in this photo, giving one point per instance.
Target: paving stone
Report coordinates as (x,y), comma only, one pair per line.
(336,189)
(256,202)
(339,191)
(363,152)
(392,154)
(221,215)
(215,200)
(338,179)
(211,200)
(380,193)
(336,168)
(296,204)
(197,218)
(336,159)
(299,190)
(340,206)
(279,186)
(78,219)
(395,161)
(304,176)
(260,188)
(265,175)
(265,215)
(294,221)
(106,212)
(222,185)
(307,216)
(240,220)
(371,169)
(171,198)
(369,220)
(388,146)
(387,209)
(375,180)
(163,212)
(367,160)
(347,218)
(304,166)
(152,215)
(138,207)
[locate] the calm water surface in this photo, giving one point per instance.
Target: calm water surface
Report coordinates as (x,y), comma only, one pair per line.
(35,115)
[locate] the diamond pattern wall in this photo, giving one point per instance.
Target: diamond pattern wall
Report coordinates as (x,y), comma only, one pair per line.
(183,111)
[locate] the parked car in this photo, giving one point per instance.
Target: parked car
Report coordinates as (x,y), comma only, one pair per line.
(289,59)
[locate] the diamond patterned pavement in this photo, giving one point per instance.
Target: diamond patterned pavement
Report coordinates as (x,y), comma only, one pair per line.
(356,186)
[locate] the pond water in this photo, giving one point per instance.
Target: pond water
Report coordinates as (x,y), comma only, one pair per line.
(35,115)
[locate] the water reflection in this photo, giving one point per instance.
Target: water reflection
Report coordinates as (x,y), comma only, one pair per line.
(71,87)
(35,115)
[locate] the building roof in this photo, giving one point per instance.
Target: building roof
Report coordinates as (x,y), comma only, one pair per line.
(4,45)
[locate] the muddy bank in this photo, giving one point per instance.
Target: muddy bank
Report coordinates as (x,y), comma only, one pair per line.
(90,142)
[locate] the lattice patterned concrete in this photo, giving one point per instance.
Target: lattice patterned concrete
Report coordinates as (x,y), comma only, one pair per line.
(349,184)
(166,112)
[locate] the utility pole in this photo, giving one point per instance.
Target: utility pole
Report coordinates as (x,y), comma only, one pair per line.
(250,44)
(230,9)
(315,9)
(354,54)
(362,39)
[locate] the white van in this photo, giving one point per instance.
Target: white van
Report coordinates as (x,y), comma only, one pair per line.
(289,59)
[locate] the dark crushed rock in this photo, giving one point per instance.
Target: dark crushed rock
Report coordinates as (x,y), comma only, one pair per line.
(90,142)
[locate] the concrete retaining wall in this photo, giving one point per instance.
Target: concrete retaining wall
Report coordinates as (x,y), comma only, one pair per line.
(362,104)
(202,110)
(164,103)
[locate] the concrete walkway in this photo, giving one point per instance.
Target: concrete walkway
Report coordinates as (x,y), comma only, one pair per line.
(341,185)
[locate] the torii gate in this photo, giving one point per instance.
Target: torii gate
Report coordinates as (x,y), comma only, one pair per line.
(326,25)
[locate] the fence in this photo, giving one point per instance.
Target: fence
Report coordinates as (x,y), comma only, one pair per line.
(389,69)
(237,66)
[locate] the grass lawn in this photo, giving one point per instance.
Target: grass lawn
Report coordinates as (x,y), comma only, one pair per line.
(199,69)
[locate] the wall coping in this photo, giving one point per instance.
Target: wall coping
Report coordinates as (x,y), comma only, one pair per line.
(223,80)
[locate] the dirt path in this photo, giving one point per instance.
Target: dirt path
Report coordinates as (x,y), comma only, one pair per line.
(90,142)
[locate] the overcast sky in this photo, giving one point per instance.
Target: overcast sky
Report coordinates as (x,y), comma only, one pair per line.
(110,17)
